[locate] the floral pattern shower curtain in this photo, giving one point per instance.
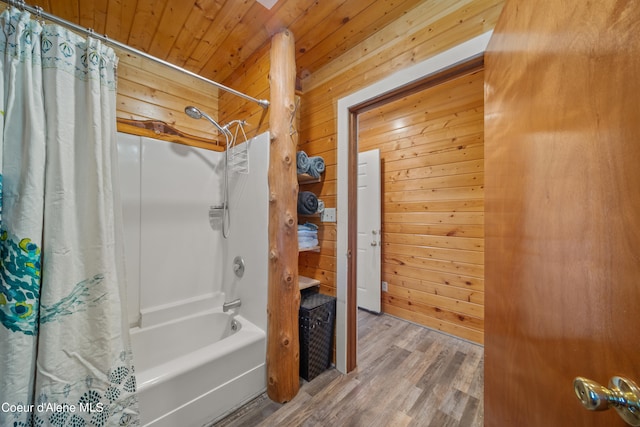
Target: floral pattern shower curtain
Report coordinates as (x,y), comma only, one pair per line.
(65,358)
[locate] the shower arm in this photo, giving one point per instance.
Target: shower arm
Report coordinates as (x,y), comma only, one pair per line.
(196,113)
(208,117)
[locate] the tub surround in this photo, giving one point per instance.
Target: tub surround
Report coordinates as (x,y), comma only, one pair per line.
(180,271)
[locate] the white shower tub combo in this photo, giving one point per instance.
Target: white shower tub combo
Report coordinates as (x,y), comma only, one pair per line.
(194,362)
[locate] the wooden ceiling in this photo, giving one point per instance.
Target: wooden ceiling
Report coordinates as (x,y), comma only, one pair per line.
(214,37)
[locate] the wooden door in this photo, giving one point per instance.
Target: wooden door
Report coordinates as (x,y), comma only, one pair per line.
(369,228)
(562,173)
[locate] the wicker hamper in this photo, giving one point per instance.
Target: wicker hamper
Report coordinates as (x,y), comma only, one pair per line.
(316,319)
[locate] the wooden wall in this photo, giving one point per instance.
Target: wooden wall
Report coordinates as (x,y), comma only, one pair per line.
(252,78)
(432,148)
(152,91)
(431,27)
(428,29)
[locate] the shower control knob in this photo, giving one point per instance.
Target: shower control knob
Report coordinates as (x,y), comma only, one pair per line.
(238,266)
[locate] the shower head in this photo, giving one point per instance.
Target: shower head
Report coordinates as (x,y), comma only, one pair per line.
(193,112)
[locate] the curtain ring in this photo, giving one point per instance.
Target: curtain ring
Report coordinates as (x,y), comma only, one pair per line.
(39,17)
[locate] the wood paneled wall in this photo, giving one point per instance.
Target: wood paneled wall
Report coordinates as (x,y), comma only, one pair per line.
(253,80)
(428,29)
(431,27)
(422,32)
(432,148)
(152,91)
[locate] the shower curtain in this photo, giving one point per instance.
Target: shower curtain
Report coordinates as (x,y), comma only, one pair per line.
(65,357)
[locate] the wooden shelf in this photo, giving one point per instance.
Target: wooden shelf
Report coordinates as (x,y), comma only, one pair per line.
(307,179)
(161,130)
(307,282)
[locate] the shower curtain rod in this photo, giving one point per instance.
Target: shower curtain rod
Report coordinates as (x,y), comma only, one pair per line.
(39,12)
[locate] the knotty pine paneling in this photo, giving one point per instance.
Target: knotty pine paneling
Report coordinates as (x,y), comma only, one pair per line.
(432,279)
(427,153)
(147,90)
(215,37)
(336,29)
(418,33)
(252,78)
(152,91)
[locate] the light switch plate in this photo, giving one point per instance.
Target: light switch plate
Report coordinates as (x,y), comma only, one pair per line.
(328,215)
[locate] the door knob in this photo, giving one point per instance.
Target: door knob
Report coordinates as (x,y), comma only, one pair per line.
(374,232)
(622,394)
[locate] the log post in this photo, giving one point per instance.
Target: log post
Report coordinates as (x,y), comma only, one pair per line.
(283,352)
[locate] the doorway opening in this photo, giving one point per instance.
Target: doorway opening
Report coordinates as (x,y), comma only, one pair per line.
(462,60)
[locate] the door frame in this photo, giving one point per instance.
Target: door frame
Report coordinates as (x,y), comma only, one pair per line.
(434,70)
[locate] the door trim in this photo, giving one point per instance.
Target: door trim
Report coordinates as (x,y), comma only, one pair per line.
(454,62)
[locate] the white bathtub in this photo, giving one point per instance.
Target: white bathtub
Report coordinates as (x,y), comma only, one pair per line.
(197,369)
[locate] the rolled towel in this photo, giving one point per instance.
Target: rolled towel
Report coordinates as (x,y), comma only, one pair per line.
(307,203)
(320,206)
(316,166)
(302,162)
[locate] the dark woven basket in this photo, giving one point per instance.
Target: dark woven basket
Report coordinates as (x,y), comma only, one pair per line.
(316,319)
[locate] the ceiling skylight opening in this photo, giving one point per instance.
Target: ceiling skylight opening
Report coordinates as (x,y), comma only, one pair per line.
(268,3)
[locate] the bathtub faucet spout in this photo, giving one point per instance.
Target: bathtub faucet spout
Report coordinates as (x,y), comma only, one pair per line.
(232,304)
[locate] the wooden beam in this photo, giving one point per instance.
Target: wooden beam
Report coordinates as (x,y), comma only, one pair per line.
(161,130)
(283,303)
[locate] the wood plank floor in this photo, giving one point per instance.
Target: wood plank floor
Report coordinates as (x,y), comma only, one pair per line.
(407,375)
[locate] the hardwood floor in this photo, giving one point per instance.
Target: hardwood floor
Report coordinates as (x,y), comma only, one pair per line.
(407,375)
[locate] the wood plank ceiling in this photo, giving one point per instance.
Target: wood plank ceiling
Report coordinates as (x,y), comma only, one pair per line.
(214,37)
